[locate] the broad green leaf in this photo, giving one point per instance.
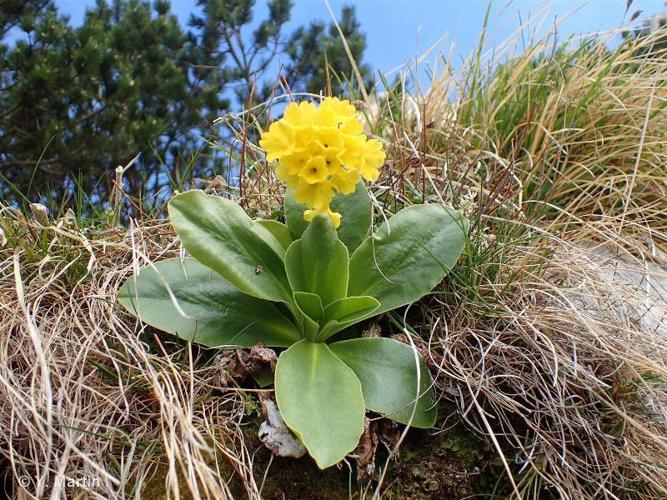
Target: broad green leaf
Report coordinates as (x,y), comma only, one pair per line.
(357,215)
(408,256)
(220,235)
(192,301)
(321,401)
(294,215)
(309,308)
(356,210)
(310,303)
(318,262)
(278,230)
(387,370)
(345,312)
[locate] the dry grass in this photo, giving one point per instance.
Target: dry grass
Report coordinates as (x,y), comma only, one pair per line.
(89,397)
(548,338)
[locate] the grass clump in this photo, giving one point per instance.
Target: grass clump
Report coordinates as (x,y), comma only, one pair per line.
(547,341)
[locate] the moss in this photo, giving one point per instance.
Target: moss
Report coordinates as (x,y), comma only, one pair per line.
(453,464)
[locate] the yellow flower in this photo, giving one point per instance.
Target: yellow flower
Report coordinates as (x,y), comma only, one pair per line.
(334,217)
(315,170)
(322,151)
(345,181)
(294,163)
(353,150)
(299,114)
(344,113)
(282,172)
(317,196)
(330,138)
(372,159)
(342,108)
(279,141)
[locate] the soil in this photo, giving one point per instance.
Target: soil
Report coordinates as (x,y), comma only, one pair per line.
(451,465)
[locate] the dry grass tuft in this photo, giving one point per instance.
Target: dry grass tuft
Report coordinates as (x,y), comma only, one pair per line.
(548,338)
(88,395)
(566,375)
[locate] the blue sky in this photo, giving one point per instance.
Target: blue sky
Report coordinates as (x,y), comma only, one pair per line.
(399,30)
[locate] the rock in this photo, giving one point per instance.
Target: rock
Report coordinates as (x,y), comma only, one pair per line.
(275,434)
(636,289)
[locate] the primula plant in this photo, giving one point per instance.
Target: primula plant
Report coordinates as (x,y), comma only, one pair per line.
(307,284)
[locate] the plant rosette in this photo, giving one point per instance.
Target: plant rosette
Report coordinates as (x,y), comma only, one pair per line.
(303,284)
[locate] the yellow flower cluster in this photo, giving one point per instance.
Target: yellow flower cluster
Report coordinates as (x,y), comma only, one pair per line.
(321,151)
